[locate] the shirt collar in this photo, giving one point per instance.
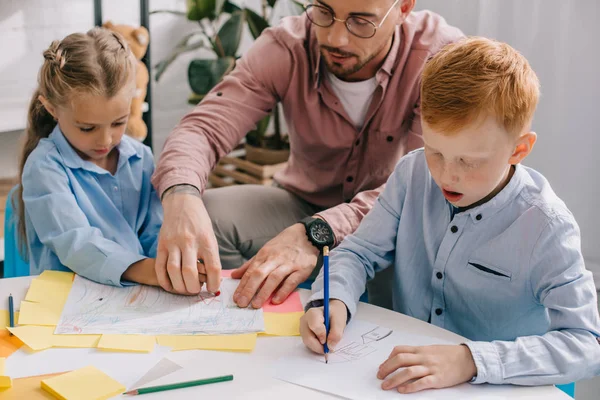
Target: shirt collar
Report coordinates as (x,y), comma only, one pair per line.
(499,201)
(74,161)
(387,66)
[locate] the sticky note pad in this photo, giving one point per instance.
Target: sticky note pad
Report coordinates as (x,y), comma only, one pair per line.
(5,318)
(5,381)
(36,337)
(282,324)
(136,343)
(87,383)
(245,342)
(38,314)
(75,341)
(291,304)
(57,276)
(48,292)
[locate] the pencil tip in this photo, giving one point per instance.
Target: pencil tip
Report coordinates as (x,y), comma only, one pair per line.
(131,392)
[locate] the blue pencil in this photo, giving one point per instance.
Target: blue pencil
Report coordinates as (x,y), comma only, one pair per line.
(11,312)
(326,299)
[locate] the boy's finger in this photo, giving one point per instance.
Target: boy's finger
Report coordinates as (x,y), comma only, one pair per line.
(316,323)
(337,324)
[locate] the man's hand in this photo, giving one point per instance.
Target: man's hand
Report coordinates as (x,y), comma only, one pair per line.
(187,236)
(312,326)
(281,265)
(427,367)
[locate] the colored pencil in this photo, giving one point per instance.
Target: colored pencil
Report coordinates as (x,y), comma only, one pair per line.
(326,299)
(11,312)
(180,385)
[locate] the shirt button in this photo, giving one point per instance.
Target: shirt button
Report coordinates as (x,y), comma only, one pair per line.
(478,217)
(357,142)
(389,138)
(115,188)
(454,229)
(439,275)
(438,311)
(219,94)
(349,179)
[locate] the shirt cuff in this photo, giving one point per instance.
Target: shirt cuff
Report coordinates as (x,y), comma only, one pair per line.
(115,266)
(487,361)
(342,219)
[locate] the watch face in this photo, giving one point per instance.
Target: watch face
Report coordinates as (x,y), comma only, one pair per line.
(320,232)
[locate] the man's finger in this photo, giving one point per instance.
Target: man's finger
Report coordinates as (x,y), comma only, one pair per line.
(160,268)
(256,276)
(271,283)
(239,272)
(189,271)
(244,278)
(212,264)
(289,285)
(174,270)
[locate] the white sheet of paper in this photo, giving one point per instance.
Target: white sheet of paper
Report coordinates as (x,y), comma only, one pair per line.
(93,308)
(126,368)
(352,369)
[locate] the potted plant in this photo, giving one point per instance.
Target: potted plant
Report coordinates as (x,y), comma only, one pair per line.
(221,24)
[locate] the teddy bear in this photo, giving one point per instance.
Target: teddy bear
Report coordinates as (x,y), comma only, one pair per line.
(138,39)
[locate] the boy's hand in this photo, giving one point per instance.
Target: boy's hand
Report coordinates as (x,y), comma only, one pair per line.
(427,367)
(312,326)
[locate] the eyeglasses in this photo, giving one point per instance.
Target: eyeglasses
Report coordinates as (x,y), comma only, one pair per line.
(358,26)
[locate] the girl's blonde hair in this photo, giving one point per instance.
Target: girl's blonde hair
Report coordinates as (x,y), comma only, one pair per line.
(98,62)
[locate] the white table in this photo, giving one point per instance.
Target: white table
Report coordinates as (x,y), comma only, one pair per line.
(253,371)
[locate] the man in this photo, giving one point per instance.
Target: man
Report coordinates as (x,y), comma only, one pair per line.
(347,73)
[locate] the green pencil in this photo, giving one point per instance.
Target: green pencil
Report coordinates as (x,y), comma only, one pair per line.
(180,385)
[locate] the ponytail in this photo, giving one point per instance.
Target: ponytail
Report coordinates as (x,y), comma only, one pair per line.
(40,124)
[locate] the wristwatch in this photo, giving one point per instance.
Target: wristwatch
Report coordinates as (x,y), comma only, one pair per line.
(319,232)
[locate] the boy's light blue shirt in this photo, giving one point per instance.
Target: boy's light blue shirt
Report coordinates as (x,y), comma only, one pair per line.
(508,274)
(79,217)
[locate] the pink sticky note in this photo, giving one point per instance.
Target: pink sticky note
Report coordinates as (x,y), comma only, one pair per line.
(291,304)
(226,273)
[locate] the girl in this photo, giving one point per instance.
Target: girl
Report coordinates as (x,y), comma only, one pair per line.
(86,203)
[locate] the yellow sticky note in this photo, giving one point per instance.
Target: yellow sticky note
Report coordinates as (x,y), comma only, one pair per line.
(5,382)
(245,342)
(36,337)
(5,318)
(38,314)
(282,324)
(2,365)
(87,383)
(80,341)
(48,292)
(57,276)
(138,343)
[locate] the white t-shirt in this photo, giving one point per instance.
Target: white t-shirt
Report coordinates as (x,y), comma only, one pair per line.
(355,97)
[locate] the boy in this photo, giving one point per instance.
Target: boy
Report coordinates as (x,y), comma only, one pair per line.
(480,245)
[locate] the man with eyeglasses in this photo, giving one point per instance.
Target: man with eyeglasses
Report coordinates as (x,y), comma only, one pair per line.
(347,74)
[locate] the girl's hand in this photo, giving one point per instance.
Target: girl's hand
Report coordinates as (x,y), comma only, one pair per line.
(312,326)
(427,367)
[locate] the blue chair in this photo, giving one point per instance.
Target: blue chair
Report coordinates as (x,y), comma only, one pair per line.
(14,265)
(569,389)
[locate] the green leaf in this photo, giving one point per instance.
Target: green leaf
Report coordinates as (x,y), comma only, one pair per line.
(200,9)
(230,8)
(271,2)
(203,75)
(229,36)
(181,13)
(219,6)
(256,23)
(182,47)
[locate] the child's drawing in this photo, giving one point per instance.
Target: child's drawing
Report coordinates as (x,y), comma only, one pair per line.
(93,308)
(354,351)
